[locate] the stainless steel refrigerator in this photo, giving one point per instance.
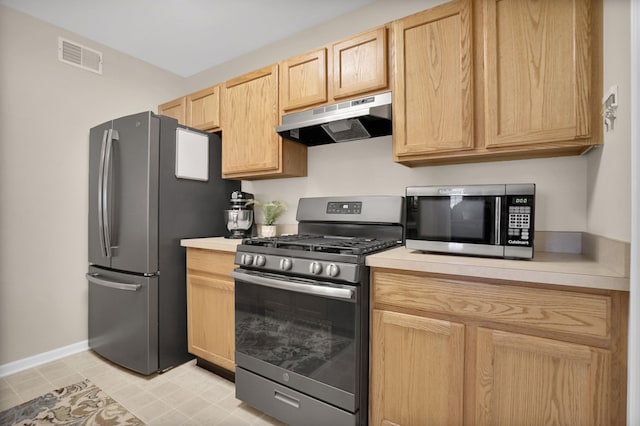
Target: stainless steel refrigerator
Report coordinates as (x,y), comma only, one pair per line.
(148,189)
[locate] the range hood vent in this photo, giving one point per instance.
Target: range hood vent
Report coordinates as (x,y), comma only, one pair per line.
(356,119)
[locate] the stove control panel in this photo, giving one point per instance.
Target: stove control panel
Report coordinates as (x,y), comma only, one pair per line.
(315,269)
(344,207)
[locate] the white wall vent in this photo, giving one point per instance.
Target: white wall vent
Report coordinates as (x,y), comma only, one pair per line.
(80,56)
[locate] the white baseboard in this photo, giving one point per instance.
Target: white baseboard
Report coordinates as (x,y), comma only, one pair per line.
(43,358)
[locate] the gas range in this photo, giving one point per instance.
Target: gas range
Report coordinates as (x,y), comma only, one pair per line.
(336,235)
(302,310)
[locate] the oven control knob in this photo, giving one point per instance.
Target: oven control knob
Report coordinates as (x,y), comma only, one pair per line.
(285,264)
(260,260)
(315,268)
(246,259)
(333,270)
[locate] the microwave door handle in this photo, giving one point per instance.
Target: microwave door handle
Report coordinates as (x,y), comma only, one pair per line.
(316,290)
(498,221)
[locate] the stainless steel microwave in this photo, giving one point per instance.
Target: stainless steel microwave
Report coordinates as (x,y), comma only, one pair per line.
(474,220)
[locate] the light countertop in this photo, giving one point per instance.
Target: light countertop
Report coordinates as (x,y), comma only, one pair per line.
(212,243)
(574,270)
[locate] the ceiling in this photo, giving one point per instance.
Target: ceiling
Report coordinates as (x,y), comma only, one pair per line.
(185,36)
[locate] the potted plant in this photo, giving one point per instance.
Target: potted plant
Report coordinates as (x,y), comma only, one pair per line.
(271,212)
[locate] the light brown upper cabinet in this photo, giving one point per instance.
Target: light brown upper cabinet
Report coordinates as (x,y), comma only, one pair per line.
(432,87)
(537,72)
(360,64)
(497,79)
(354,66)
(176,109)
(203,109)
(303,80)
(251,148)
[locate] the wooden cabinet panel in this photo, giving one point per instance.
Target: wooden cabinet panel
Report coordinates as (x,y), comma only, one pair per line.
(537,71)
(210,306)
(303,80)
(251,148)
(176,109)
(497,80)
(528,354)
(250,143)
(433,98)
(354,66)
(203,109)
(360,64)
(587,315)
(540,381)
(417,369)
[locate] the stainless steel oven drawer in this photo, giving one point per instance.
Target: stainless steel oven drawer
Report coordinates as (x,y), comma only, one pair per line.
(287,405)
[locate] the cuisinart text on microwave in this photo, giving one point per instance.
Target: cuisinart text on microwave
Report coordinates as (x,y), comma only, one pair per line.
(476,220)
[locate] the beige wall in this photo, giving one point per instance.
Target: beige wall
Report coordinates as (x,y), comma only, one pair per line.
(609,169)
(47,107)
(46,110)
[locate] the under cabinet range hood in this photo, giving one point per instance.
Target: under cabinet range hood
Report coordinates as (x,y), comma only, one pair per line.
(361,118)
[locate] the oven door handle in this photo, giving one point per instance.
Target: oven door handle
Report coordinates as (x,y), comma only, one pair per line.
(345,292)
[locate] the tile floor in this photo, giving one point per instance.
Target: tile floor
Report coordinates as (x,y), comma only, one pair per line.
(184,395)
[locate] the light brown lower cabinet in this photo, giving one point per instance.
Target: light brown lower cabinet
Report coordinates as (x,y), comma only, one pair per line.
(210,306)
(450,350)
(417,370)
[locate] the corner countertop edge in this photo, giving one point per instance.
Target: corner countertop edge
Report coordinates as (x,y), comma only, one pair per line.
(212,243)
(564,269)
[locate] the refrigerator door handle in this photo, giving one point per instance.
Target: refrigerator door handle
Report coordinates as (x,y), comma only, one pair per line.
(112,135)
(112,284)
(101,194)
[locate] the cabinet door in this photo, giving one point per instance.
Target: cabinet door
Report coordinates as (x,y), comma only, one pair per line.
(210,306)
(433,99)
(535,381)
(417,369)
(360,64)
(250,114)
(203,109)
(537,71)
(176,109)
(303,80)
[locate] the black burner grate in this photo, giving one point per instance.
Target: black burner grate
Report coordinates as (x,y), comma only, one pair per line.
(323,244)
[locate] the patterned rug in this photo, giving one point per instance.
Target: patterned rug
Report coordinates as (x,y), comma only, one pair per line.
(80,404)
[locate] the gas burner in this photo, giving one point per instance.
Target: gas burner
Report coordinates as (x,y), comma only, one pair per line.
(323,244)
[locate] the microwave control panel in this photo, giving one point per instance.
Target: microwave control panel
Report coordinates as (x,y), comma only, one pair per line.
(520,218)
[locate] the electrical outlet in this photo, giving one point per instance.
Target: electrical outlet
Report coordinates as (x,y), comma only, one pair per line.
(609,107)
(610,99)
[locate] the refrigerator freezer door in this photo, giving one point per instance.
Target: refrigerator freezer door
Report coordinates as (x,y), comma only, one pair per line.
(123,319)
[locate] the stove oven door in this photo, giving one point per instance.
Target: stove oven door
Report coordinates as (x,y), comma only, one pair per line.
(302,334)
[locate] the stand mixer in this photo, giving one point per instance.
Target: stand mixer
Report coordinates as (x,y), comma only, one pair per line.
(239,217)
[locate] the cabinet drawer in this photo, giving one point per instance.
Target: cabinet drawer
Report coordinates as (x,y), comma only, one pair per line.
(210,261)
(580,314)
